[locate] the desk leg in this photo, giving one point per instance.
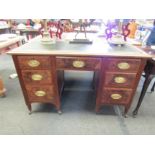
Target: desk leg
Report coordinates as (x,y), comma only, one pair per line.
(144,89)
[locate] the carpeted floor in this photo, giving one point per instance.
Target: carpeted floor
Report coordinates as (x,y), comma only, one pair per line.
(78,102)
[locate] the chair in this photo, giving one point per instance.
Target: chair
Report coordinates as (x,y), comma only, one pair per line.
(149,75)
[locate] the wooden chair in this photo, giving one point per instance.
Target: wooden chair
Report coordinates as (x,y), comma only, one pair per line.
(149,75)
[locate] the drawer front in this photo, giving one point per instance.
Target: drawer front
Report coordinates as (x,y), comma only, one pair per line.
(37,76)
(123,65)
(34,62)
(123,80)
(116,96)
(40,93)
(77,63)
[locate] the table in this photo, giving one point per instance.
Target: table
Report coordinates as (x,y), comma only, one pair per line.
(28,32)
(2,88)
(149,75)
(5,29)
(41,69)
(5,46)
(10,43)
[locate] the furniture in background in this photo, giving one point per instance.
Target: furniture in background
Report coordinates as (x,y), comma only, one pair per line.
(10,43)
(4,26)
(2,88)
(149,75)
(29,32)
(41,69)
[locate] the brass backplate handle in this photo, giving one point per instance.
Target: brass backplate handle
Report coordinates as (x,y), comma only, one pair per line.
(78,64)
(40,93)
(119,79)
(33,63)
(116,96)
(37,77)
(123,65)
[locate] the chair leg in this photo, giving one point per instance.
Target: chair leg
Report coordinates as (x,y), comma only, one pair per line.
(152,89)
(144,89)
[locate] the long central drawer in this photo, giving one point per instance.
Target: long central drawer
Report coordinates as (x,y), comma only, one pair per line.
(78,63)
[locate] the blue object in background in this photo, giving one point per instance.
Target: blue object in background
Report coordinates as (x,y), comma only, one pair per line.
(151,39)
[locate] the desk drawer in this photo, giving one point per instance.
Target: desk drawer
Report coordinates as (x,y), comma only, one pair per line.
(34,62)
(116,96)
(40,93)
(123,80)
(123,65)
(78,63)
(37,76)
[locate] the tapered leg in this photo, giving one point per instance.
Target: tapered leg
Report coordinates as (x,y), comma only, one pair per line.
(126,111)
(30,108)
(144,89)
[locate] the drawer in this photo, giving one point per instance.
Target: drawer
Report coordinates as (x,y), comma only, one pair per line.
(34,62)
(124,80)
(78,63)
(36,76)
(123,65)
(116,96)
(40,93)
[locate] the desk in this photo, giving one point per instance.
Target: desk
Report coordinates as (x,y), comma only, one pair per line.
(41,70)
(149,75)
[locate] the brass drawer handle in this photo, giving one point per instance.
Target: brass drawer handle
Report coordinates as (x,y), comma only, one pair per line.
(37,77)
(40,93)
(78,64)
(119,79)
(33,63)
(123,65)
(116,96)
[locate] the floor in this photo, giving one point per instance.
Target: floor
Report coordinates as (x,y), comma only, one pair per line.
(78,102)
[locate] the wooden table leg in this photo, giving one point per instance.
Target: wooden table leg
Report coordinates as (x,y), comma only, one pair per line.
(147,81)
(2,89)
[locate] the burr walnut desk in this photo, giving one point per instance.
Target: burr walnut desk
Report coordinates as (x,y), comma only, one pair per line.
(41,67)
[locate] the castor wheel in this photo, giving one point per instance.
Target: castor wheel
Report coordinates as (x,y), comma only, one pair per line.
(125,116)
(30,112)
(59,112)
(134,114)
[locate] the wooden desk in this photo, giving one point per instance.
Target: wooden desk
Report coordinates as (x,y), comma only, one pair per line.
(117,70)
(149,75)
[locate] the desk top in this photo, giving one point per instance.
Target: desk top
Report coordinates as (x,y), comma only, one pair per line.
(99,48)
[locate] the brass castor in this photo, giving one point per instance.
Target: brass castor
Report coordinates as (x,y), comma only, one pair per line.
(30,112)
(59,112)
(125,116)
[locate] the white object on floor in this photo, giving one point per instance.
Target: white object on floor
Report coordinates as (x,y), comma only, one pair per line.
(13,76)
